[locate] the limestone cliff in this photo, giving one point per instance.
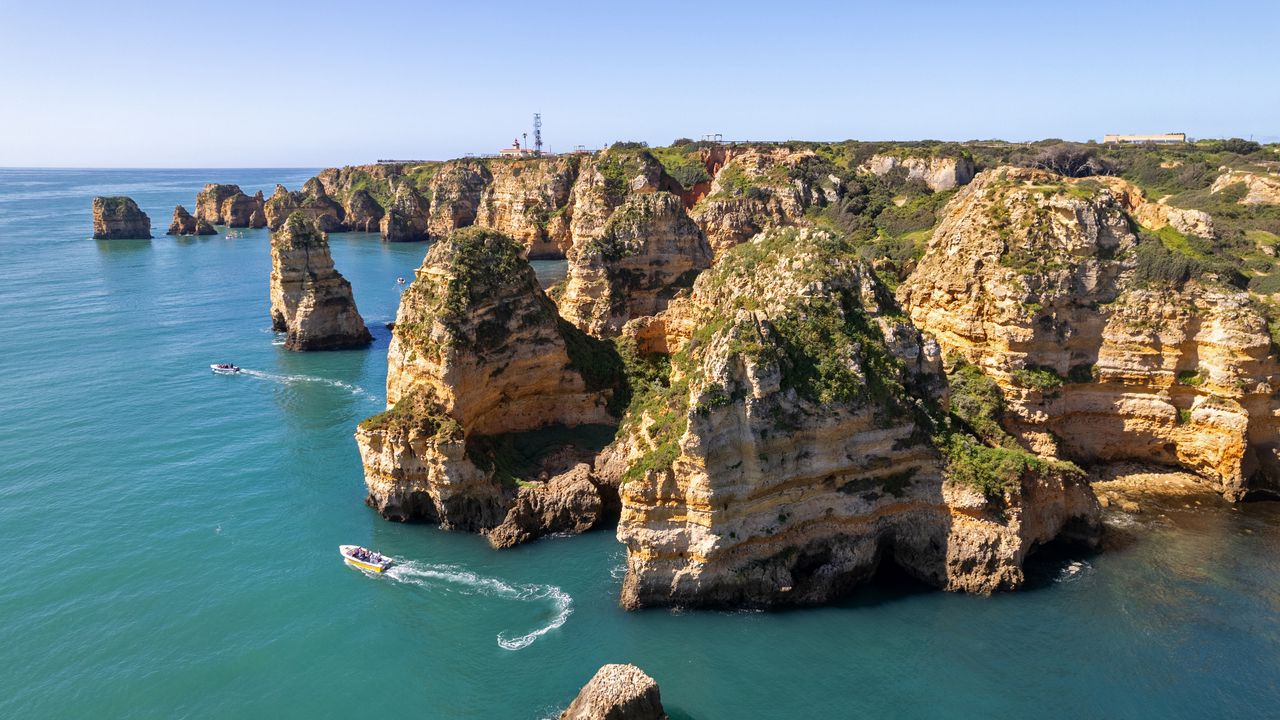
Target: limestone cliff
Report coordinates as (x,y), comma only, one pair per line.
(647,250)
(310,300)
(527,199)
(481,370)
(456,189)
(617,692)
(312,201)
(405,219)
(1043,283)
(792,447)
(184,223)
(939,173)
(227,205)
(119,218)
(757,187)
(1259,188)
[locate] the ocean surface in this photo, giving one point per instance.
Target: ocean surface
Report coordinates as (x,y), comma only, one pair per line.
(171,536)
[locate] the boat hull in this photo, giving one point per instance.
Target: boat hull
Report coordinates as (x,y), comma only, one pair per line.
(347,554)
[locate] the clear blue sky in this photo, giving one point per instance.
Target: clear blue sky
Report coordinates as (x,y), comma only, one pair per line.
(129,84)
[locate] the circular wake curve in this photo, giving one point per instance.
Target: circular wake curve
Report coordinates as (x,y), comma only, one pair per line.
(421,574)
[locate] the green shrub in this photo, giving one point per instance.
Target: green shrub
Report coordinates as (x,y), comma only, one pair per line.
(1039,378)
(1082,373)
(1191,378)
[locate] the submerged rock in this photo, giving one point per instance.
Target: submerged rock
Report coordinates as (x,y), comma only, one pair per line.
(119,218)
(617,692)
(479,363)
(310,300)
(184,223)
(792,448)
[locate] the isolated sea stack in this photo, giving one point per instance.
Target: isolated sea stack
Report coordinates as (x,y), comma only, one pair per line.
(184,223)
(228,205)
(617,692)
(310,300)
(119,218)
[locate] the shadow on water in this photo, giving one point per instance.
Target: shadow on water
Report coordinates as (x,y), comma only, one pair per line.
(123,247)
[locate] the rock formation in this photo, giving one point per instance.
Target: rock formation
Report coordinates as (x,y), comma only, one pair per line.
(456,189)
(119,218)
(184,223)
(1259,188)
(227,205)
(647,250)
(754,188)
(312,201)
(310,300)
(617,692)
(481,370)
(406,216)
(527,198)
(1042,283)
(939,173)
(792,448)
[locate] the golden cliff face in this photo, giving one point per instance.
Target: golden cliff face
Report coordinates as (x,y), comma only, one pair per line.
(790,452)
(648,250)
(939,173)
(527,199)
(1041,282)
(755,188)
(478,355)
(310,300)
(228,205)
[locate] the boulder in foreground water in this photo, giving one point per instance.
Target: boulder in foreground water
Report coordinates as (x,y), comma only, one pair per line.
(617,692)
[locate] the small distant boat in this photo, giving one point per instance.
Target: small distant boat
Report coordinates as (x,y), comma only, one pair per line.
(364,559)
(224,368)
(234,234)
(399,281)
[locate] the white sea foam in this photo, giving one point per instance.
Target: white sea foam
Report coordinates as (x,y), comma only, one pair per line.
(1073,570)
(291,379)
(425,575)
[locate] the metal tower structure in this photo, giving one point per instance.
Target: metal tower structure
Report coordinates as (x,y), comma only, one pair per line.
(537,133)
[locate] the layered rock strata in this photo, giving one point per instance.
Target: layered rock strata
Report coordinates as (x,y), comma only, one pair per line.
(184,223)
(312,201)
(939,173)
(791,449)
(479,364)
(617,692)
(647,251)
(119,218)
(227,205)
(1042,283)
(1259,188)
(310,301)
(405,219)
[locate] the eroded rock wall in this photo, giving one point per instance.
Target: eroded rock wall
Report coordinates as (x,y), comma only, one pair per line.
(310,301)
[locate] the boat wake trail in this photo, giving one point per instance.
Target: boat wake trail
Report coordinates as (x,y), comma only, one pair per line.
(425,575)
(292,379)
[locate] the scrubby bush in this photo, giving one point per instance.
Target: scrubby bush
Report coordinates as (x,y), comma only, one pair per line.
(1070,160)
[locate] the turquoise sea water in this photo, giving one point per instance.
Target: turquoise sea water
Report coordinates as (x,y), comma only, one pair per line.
(172,537)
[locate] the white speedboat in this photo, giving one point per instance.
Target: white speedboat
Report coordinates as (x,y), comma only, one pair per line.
(399,281)
(364,558)
(224,368)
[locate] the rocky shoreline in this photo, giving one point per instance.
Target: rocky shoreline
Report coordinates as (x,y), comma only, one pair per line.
(779,419)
